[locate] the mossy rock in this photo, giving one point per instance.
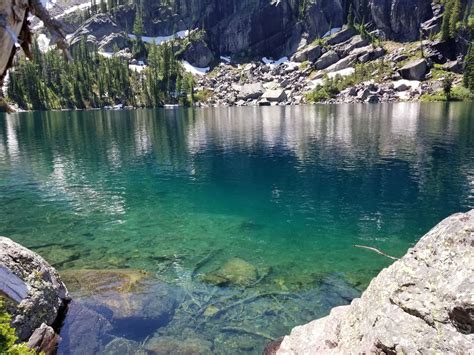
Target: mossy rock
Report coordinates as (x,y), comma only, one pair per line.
(235,272)
(87,282)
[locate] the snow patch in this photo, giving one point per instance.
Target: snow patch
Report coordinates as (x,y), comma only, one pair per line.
(194,70)
(161,39)
(136,68)
(332,31)
(225,59)
(342,72)
(106,54)
(413,84)
(43,42)
(275,62)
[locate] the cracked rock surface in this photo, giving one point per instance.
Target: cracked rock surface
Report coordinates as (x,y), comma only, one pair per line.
(422,303)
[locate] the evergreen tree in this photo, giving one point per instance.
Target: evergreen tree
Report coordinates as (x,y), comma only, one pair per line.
(445,25)
(468,76)
(350,16)
(95,81)
(455,17)
(448,85)
(138,23)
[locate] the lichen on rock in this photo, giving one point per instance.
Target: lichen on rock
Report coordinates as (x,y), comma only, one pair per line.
(34,289)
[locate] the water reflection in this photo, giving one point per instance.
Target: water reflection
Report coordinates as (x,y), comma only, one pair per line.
(63,150)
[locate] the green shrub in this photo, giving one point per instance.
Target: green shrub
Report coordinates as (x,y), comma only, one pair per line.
(8,337)
(304,65)
(458,93)
(203,95)
(362,72)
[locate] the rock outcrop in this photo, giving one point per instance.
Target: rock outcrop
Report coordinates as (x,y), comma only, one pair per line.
(35,294)
(252,28)
(423,303)
(400,19)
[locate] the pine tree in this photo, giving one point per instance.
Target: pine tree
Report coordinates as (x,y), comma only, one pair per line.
(445,25)
(454,17)
(350,16)
(468,75)
(138,23)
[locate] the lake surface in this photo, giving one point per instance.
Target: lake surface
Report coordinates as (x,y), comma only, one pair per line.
(179,193)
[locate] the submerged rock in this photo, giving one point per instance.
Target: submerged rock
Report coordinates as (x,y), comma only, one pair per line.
(34,289)
(423,303)
(121,346)
(84,331)
(235,272)
(87,282)
(129,298)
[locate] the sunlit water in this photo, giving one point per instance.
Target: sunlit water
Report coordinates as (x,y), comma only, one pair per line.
(290,190)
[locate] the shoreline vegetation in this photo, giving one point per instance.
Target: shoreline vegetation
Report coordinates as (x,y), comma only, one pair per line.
(351,63)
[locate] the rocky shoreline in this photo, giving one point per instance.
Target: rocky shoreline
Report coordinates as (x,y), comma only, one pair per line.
(422,303)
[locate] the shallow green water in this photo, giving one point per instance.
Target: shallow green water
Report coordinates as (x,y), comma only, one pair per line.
(286,188)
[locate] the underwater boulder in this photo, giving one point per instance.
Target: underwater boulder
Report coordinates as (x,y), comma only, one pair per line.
(121,346)
(135,303)
(235,272)
(84,331)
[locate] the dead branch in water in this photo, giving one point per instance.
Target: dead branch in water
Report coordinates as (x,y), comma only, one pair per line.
(204,261)
(251,332)
(251,298)
(376,251)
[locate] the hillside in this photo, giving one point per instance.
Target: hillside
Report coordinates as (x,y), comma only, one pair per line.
(254,52)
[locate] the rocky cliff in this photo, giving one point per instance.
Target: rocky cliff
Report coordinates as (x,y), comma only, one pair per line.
(423,303)
(250,28)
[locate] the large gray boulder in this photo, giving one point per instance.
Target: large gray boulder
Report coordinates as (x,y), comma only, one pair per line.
(311,53)
(415,70)
(35,293)
(276,95)
(342,36)
(250,91)
(344,63)
(423,303)
(326,60)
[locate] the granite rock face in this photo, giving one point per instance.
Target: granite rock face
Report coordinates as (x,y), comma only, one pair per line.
(400,19)
(423,303)
(34,289)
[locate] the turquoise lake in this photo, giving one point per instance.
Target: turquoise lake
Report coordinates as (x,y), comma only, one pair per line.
(289,190)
